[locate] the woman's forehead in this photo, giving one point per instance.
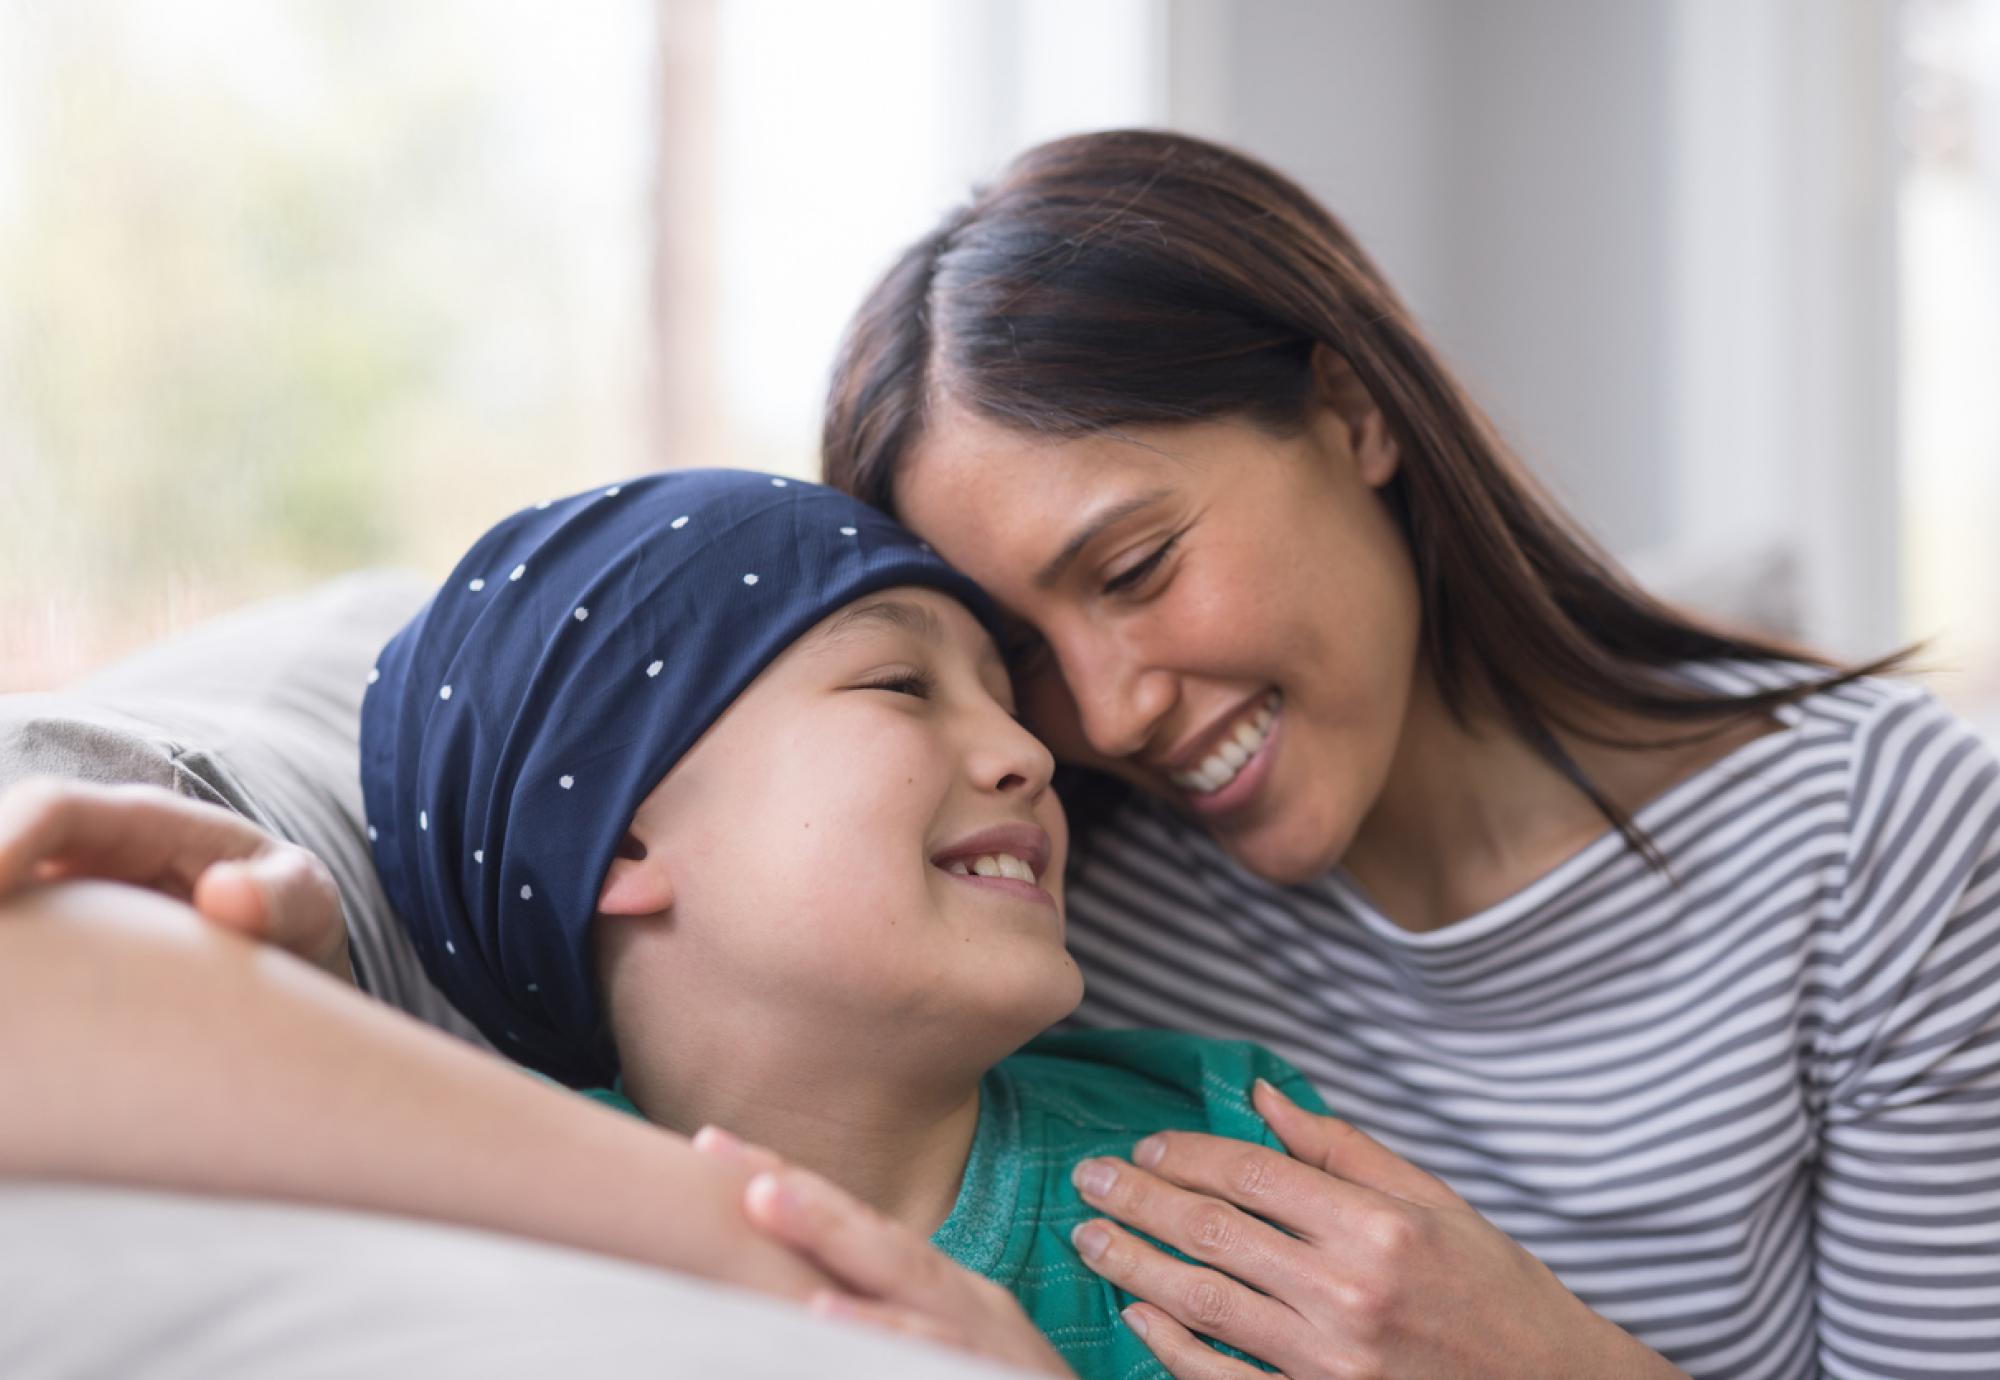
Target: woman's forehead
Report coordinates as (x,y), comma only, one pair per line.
(1014,510)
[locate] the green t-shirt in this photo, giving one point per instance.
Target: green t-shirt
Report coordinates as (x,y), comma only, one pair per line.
(1067,1097)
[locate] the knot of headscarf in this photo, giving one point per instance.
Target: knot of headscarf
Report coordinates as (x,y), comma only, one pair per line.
(512,728)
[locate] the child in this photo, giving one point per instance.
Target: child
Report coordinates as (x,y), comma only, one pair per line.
(706,786)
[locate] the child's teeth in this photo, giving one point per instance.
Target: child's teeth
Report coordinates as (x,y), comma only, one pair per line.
(994,865)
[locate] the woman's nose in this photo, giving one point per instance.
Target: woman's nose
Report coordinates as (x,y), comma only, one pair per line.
(1119,703)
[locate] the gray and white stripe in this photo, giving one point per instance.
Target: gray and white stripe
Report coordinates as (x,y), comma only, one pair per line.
(1754,1117)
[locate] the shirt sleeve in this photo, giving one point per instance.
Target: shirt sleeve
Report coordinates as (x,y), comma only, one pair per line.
(1904,1067)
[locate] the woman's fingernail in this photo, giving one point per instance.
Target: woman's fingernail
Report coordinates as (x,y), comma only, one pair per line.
(1135,1320)
(1267,1086)
(1090,1240)
(1094,1178)
(1147,1152)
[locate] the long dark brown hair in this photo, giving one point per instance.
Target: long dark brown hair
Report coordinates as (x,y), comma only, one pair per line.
(1142,278)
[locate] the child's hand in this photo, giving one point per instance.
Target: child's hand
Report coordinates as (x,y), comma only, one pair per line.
(233,873)
(894,1278)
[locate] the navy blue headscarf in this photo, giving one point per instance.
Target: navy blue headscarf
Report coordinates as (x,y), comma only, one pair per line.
(512,729)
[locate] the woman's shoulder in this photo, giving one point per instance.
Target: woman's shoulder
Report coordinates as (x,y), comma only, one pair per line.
(1900,797)
(1923,786)
(1898,753)
(1870,717)
(1820,690)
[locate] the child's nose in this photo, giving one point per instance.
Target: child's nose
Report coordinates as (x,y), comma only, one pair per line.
(1011,759)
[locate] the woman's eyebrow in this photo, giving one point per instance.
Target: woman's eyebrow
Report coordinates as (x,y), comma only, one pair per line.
(1099,523)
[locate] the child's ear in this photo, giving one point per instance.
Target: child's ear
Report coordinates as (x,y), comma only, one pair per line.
(639,882)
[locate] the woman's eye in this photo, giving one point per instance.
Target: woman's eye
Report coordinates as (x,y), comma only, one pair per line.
(1135,576)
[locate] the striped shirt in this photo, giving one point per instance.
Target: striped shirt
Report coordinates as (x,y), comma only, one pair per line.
(1752,1117)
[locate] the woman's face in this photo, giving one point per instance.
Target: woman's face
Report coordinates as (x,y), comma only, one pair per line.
(1225,617)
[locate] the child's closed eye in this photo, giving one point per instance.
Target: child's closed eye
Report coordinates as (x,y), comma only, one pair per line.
(915,683)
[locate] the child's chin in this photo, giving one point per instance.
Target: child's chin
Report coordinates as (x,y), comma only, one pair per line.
(1038,1001)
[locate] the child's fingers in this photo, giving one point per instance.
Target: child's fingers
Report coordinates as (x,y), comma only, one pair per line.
(713,1140)
(891,1317)
(869,1253)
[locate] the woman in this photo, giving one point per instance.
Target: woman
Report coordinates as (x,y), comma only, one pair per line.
(1673,955)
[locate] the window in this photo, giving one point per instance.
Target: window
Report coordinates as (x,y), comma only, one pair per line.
(1949,223)
(295,288)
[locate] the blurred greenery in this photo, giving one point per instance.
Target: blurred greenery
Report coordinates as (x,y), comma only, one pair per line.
(280,301)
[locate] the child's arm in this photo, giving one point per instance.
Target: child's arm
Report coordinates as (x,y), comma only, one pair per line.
(140,1044)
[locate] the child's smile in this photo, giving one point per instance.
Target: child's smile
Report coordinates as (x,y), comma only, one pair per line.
(1008,861)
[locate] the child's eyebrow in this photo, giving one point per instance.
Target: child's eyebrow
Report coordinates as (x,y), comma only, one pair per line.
(892,614)
(896,615)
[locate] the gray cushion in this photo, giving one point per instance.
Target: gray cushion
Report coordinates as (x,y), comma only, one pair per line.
(102,1282)
(258,711)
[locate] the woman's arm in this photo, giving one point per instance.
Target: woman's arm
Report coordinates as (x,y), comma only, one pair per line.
(231,872)
(141,1044)
(1903,1068)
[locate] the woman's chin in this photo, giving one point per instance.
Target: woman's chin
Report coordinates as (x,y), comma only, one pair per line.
(1286,856)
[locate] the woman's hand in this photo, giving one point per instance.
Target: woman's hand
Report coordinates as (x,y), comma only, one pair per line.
(890,1277)
(1379,1269)
(231,872)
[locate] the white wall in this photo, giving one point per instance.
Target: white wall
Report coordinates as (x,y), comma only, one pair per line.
(1654,238)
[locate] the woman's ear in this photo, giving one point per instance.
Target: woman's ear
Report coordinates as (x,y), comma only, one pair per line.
(639,882)
(1343,395)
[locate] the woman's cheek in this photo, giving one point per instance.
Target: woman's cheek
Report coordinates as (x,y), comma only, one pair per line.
(1050,710)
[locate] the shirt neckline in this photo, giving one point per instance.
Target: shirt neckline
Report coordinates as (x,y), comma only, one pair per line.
(981,1224)
(1791,718)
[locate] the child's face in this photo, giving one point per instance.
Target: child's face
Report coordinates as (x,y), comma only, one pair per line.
(817,842)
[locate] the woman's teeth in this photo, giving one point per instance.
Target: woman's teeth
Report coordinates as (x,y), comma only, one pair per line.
(1219,768)
(993,865)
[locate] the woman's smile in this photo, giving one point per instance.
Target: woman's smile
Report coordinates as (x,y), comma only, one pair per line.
(1229,762)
